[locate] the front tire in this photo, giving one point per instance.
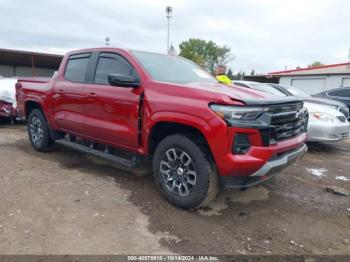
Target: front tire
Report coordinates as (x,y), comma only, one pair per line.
(184,172)
(38,131)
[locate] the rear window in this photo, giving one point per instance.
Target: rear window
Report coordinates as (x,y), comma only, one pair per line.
(76,67)
(268,89)
(340,92)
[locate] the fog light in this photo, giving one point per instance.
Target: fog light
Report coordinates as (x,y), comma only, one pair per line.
(241,144)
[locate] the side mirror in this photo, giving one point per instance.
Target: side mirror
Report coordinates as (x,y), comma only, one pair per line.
(123,80)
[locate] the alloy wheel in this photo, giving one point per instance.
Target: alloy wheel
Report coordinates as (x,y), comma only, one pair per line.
(178,172)
(36,131)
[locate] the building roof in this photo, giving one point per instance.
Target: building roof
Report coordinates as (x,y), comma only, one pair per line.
(334,69)
(28,59)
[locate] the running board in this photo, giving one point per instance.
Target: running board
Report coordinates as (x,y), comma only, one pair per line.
(99,153)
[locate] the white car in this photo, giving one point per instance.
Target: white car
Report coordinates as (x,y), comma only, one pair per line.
(327,119)
(8,102)
(326,124)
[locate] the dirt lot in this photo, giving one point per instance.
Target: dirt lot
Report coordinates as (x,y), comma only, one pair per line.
(65,202)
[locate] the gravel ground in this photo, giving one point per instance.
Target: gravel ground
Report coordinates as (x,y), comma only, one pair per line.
(65,202)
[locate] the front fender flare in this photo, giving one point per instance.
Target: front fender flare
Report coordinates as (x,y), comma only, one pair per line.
(214,130)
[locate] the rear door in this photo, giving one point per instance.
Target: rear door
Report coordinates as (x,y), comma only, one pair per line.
(112,112)
(68,94)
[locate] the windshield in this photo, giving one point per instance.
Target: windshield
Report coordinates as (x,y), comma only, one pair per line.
(268,89)
(173,69)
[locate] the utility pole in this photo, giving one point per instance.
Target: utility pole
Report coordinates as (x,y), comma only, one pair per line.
(169,11)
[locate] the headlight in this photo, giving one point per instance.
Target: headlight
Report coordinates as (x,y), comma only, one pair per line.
(344,110)
(237,112)
(324,117)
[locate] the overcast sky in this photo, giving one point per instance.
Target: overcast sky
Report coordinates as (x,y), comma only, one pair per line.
(265,35)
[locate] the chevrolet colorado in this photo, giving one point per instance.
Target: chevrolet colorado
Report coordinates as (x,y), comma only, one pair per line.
(132,106)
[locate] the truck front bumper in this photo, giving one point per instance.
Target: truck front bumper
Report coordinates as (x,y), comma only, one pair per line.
(272,167)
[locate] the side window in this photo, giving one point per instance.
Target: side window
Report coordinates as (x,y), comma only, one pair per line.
(340,93)
(76,68)
(111,64)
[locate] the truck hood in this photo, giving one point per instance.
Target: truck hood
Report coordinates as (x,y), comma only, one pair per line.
(245,95)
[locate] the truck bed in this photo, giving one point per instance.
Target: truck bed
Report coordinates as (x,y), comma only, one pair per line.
(35,87)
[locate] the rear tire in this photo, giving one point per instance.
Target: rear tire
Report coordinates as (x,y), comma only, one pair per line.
(38,131)
(185,172)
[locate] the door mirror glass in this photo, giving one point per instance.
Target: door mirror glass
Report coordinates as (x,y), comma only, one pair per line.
(123,80)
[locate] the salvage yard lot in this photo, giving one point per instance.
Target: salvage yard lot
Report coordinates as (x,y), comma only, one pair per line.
(65,202)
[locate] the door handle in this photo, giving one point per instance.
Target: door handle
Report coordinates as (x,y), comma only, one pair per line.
(91,95)
(61,92)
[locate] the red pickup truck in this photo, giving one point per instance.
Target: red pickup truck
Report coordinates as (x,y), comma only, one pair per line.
(132,106)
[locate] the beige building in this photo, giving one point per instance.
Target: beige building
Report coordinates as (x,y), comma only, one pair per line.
(16,63)
(316,79)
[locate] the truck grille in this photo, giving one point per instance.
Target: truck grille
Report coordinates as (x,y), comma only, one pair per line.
(287,121)
(288,107)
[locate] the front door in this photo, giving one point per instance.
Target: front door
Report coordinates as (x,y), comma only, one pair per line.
(111,112)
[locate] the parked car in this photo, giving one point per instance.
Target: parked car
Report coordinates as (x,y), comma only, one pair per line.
(341,94)
(294,91)
(131,106)
(327,118)
(8,103)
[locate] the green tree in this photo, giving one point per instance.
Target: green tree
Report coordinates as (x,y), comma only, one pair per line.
(316,63)
(230,74)
(238,76)
(206,54)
